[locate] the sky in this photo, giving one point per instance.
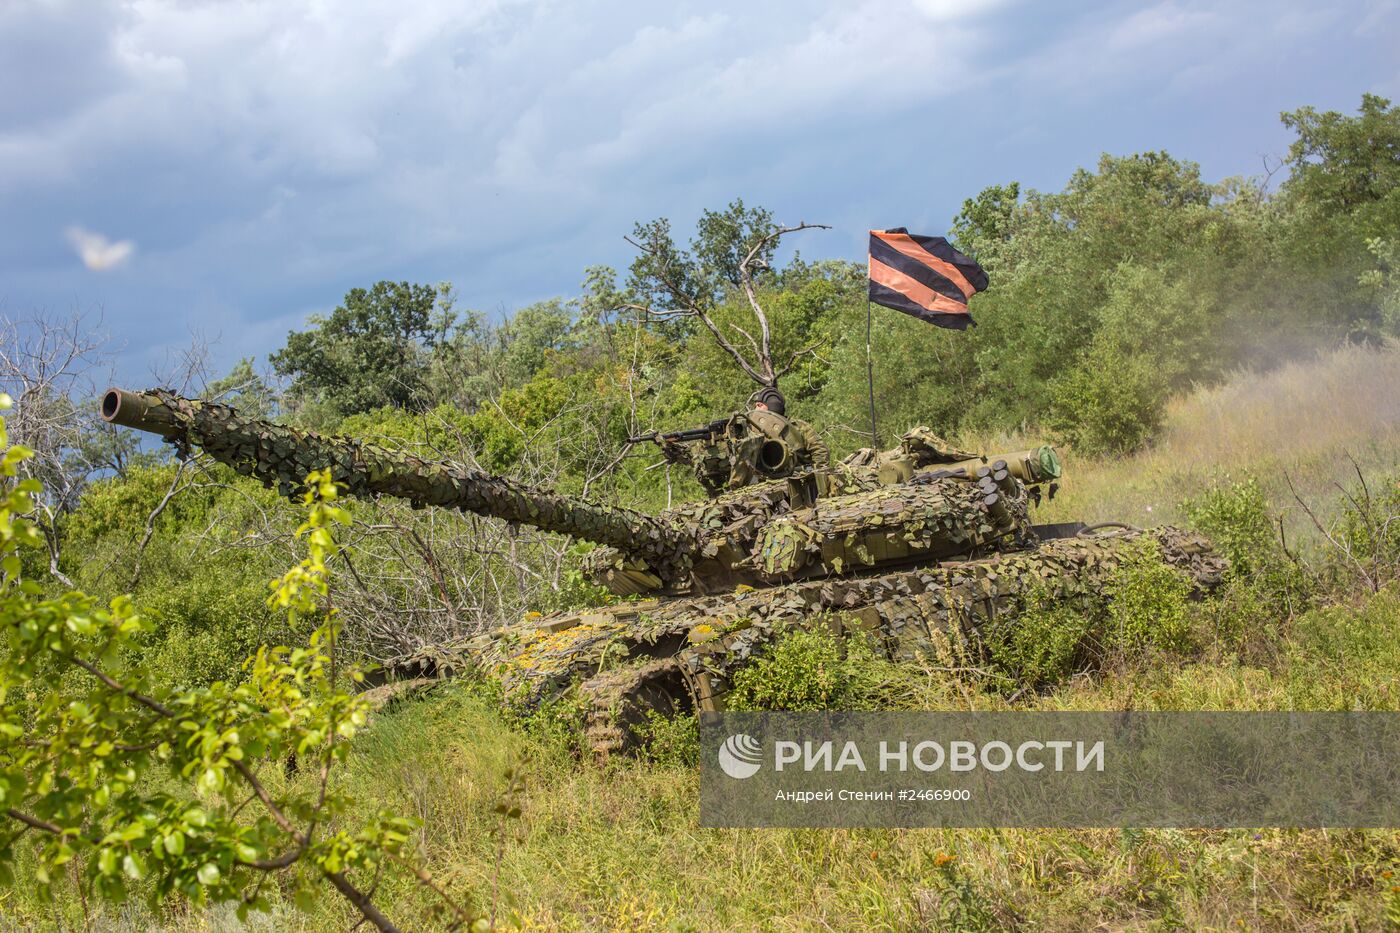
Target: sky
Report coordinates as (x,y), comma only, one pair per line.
(179,170)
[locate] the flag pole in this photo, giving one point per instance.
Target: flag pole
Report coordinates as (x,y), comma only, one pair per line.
(870,378)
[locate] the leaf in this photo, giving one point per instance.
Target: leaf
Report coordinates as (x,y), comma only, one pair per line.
(208,873)
(134,866)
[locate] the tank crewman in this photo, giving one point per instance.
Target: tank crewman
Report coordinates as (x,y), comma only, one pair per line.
(769,398)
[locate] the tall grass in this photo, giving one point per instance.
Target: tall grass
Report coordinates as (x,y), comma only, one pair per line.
(1304,419)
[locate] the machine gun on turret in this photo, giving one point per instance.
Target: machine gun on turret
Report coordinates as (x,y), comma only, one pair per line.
(702,433)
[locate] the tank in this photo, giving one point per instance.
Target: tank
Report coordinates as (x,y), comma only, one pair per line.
(920,548)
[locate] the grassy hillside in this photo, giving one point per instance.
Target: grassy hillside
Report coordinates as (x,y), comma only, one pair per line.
(620,848)
(1301,420)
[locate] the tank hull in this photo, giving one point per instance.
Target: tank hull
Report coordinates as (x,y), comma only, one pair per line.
(681,654)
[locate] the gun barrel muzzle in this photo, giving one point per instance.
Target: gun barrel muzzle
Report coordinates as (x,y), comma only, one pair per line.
(136,410)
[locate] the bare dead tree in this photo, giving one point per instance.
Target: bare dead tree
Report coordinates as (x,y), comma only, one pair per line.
(55,366)
(688,303)
(46,362)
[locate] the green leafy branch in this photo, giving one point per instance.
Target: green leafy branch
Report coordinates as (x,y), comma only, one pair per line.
(195,793)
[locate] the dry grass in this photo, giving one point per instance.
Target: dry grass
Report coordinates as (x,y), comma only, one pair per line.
(1305,418)
(621,850)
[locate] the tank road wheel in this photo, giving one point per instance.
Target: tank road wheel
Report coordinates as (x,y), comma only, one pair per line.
(619,700)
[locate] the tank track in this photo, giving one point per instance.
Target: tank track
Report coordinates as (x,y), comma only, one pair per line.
(618,702)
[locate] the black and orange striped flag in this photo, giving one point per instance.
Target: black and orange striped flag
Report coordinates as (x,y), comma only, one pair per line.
(923,276)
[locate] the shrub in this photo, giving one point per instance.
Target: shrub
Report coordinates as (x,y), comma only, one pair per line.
(1235,517)
(672,740)
(1112,403)
(1262,585)
(576,590)
(1148,602)
(1047,640)
(1243,619)
(119,786)
(557,722)
(810,669)
(1145,605)
(202,628)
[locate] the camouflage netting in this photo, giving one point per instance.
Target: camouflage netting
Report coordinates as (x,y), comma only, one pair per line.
(890,525)
(282,456)
(626,654)
(723,528)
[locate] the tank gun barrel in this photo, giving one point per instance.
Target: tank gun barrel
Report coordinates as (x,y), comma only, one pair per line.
(277,454)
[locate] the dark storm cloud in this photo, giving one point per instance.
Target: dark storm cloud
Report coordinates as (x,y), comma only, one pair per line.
(266,156)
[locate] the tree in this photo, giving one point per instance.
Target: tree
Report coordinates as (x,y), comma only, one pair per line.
(1345,164)
(1385,280)
(730,258)
(45,364)
(90,748)
(244,389)
(371,352)
(1057,259)
(986,223)
(1343,191)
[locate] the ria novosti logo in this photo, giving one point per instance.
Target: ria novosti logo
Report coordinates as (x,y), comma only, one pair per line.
(739,756)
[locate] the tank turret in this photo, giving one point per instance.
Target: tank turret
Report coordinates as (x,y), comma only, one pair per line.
(890,514)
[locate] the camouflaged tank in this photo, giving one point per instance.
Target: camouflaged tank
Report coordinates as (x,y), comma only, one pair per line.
(923,548)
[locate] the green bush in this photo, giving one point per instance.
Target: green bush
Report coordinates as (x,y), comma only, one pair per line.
(672,741)
(1144,606)
(1263,586)
(1046,642)
(557,723)
(1242,619)
(1153,335)
(576,590)
(1148,602)
(204,627)
(810,669)
(1236,519)
(1111,403)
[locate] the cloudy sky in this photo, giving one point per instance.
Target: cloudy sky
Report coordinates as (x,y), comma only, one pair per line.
(224,168)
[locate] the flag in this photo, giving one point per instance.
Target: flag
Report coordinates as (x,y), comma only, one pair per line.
(923,276)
